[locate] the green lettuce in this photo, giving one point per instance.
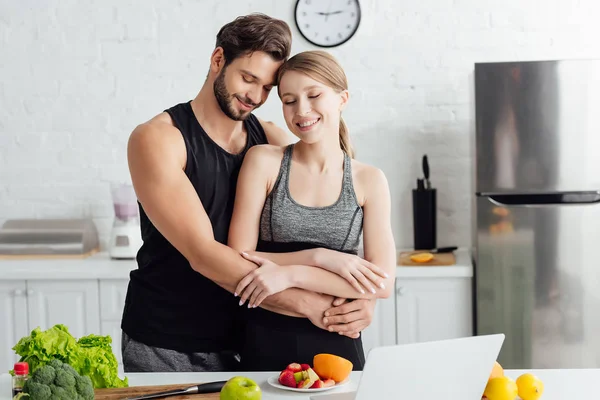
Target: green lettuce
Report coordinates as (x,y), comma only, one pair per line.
(90,355)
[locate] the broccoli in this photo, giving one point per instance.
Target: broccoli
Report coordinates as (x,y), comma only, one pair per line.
(58,381)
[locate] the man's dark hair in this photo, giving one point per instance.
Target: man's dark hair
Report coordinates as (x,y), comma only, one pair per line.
(255,32)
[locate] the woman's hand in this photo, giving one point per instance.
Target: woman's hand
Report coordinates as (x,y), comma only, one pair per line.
(352,268)
(269,278)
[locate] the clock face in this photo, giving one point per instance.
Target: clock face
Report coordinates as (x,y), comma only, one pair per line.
(327,23)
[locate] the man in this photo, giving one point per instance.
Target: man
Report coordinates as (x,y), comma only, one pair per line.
(180,312)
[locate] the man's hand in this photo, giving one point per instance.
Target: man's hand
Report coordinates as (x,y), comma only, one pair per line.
(349,318)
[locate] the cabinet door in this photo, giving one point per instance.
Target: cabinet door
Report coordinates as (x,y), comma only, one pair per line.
(13,317)
(113,328)
(73,303)
(433,309)
(112,298)
(382,331)
(112,301)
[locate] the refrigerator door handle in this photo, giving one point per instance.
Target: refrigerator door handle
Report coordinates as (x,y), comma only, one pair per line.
(544,199)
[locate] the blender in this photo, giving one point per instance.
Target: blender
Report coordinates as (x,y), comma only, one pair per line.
(125,237)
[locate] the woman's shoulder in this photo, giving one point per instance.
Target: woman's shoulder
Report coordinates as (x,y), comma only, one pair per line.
(366,172)
(264,155)
(367,179)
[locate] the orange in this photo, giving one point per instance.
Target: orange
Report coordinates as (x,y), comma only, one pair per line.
(501,388)
(501,211)
(530,387)
(497,371)
(330,366)
(421,257)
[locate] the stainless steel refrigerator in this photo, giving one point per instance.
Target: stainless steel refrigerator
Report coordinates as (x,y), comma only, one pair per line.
(537,210)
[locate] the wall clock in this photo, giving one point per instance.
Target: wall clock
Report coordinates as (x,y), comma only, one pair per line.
(327,23)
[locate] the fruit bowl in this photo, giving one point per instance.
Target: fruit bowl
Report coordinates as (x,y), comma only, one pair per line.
(296,377)
(274,381)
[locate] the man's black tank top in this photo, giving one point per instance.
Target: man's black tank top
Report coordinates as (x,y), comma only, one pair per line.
(168,304)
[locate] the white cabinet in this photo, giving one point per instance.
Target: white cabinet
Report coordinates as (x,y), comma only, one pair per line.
(429,303)
(13,320)
(112,301)
(433,309)
(71,303)
(112,298)
(382,331)
(26,305)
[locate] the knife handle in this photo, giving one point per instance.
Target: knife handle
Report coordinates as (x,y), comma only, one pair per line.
(211,387)
(446,249)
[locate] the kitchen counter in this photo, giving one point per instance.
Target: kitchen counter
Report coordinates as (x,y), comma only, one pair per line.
(101,266)
(560,384)
(97,266)
(463,268)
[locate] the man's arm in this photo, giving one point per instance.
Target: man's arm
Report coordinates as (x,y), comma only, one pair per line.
(156,156)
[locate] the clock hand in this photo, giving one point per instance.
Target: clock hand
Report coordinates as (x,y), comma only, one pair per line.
(336,12)
(328,9)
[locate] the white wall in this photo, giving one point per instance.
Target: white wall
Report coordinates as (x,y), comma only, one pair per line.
(77,76)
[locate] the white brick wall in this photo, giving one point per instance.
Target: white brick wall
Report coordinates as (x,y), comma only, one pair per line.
(78,76)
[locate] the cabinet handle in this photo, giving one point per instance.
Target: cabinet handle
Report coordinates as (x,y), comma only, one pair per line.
(18,292)
(400,291)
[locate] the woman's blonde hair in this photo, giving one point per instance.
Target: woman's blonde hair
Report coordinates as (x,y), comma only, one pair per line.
(323,67)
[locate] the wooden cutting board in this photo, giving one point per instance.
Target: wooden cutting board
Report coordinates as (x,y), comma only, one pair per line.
(438,259)
(133,391)
(48,256)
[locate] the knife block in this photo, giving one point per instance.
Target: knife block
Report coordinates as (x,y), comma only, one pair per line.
(424,219)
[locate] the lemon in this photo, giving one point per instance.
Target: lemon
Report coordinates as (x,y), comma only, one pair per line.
(530,387)
(501,388)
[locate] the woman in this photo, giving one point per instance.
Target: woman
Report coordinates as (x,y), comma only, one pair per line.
(311,194)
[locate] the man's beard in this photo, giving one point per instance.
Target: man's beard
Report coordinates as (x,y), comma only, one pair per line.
(224,99)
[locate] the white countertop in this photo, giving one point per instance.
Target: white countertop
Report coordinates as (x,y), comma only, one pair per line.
(97,266)
(101,266)
(559,384)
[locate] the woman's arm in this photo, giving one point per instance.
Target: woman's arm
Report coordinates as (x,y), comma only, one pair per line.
(379,249)
(254,181)
(271,278)
(378,238)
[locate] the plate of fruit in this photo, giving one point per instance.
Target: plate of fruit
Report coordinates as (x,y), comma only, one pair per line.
(328,372)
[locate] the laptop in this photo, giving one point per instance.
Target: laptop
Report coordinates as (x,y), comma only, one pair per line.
(446,369)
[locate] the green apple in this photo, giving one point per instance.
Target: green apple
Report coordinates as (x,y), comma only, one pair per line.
(240,388)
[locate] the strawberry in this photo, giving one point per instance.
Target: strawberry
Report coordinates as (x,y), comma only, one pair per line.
(294,367)
(286,378)
(318,384)
(304,367)
(328,383)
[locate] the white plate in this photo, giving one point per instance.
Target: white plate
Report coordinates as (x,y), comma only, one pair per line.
(274,381)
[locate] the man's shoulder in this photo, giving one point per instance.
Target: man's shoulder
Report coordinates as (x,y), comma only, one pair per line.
(158,127)
(275,135)
(157,135)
